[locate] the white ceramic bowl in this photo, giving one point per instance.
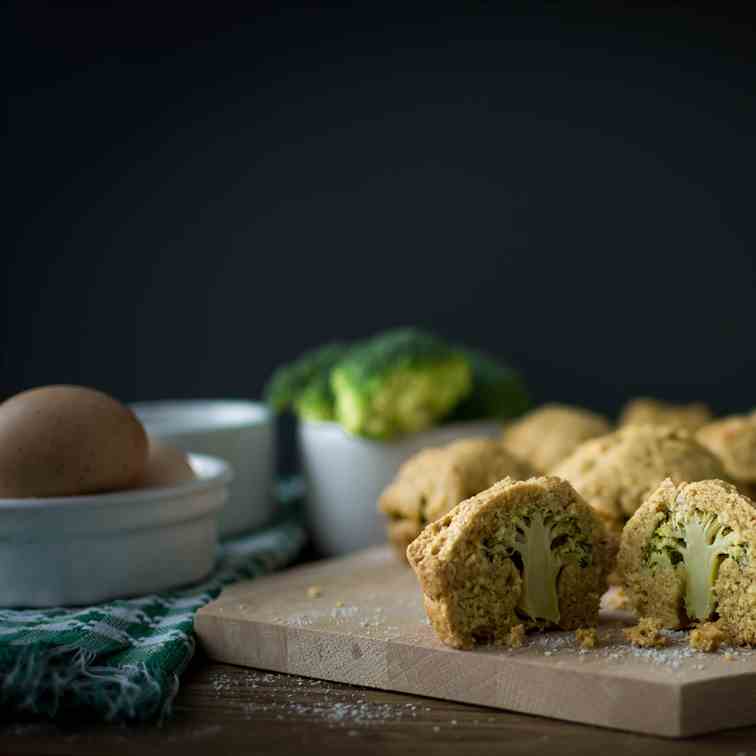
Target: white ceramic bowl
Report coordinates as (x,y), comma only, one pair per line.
(241,432)
(84,549)
(345,475)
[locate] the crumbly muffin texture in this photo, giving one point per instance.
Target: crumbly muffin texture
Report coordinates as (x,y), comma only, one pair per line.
(707,637)
(688,555)
(548,434)
(733,440)
(587,637)
(617,472)
(645,411)
(435,480)
(646,634)
(528,553)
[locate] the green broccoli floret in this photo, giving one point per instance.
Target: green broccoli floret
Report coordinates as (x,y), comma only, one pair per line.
(304,385)
(401,381)
(497,390)
(316,401)
(697,544)
(543,543)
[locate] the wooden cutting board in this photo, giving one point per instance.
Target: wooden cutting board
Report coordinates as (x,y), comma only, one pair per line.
(360,620)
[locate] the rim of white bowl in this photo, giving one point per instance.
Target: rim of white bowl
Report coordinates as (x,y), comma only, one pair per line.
(333,427)
(200,415)
(212,472)
(491,421)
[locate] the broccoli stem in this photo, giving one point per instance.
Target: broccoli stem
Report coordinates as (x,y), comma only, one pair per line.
(541,567)
(702,554)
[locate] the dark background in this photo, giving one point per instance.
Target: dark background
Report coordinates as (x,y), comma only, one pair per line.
(198,195)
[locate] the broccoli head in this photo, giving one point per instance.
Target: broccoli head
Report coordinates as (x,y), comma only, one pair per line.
(541,543)
(304,385)
(497,390)
(316,400)
(695,544)
(401,381)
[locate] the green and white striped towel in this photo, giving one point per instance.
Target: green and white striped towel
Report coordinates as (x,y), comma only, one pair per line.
(121,661)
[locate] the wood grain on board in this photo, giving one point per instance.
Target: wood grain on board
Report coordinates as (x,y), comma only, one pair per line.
(360,620)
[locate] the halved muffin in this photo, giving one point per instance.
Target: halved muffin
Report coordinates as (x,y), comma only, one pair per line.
(529,553)
(687,556)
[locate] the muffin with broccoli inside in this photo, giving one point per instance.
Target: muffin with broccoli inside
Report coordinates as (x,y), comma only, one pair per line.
(617,472)
(733,440)
(645,411)
(547,434)
(687,556)
(528,553)
(433,481)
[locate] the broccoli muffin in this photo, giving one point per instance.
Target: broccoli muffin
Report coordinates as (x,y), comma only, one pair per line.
(528,553)
(434,481)
(548,434)
(618,472)
(687,556)
(733,440)
(645,411)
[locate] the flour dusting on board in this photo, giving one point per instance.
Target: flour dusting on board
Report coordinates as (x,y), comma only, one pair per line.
(613,647)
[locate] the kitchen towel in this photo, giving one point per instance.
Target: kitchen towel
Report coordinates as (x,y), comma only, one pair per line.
(121,661)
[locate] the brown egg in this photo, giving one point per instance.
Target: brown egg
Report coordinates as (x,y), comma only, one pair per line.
(166,466)
(68,441)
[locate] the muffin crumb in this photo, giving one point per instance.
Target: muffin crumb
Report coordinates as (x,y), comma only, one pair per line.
(314,591)
(707,637)
(516,636)
(646,633)
(587,637)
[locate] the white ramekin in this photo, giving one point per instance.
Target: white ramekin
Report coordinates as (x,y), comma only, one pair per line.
(239,431)
(345,475)
(83,549)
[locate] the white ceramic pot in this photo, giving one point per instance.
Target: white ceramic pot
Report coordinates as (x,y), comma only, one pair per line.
(84,549)
(238,431)
(345,475)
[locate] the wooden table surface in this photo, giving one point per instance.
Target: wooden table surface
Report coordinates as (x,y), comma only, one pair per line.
(223,709)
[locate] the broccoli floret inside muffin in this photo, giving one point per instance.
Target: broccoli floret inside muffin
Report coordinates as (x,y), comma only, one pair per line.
(695,544)
(541,543)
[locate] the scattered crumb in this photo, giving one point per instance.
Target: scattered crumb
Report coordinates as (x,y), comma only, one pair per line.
(314,591)
(516,636)
(729,657)
(587,637)
(436,728)
(707,637)
(339,604)
(646,633)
